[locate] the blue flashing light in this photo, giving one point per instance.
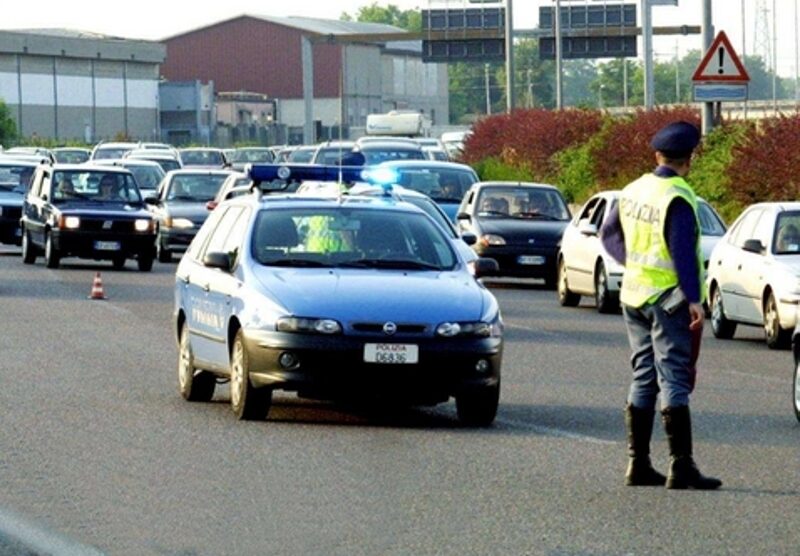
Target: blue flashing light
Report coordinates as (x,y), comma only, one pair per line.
(382,176)
(303,172)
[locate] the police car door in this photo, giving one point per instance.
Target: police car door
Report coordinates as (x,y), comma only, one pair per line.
(218,285)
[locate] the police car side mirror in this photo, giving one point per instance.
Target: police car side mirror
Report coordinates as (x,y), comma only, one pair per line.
(218,260)
(485,266)
(469,238)
(753,246)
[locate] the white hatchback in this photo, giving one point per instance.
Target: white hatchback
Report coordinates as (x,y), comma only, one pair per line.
(754,273)
(584,266)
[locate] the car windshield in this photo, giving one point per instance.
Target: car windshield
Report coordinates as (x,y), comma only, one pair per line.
(148,177)
(301,155)
(441,184)
(95,186)
(522,203)
(331,155)
(195,187)
(102,153)
(374,154)
(710,223)
(252,155)
(71,157)
(15,177)
(352,238)
(202,158)
(786,239)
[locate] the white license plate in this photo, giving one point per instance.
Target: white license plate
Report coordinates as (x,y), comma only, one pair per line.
(530,260)
(391,354)
(107,245)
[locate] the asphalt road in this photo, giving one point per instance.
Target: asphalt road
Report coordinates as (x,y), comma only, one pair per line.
(97,445)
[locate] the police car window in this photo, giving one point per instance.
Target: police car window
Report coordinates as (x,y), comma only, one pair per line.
(588,208)
(234,241)
(219,237)
(200,239)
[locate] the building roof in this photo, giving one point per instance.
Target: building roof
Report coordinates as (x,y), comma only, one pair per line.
(311,25)
(79,44)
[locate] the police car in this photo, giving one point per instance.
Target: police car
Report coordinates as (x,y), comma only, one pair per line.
(333,298)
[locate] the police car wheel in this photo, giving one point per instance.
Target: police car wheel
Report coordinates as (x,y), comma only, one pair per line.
(477,407)
(51,255)
(722,328)
(194,385)
(796,387)
(566,298)
(247,402)
(777,337)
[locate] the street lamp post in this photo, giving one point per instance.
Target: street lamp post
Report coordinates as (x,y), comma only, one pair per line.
(510,94)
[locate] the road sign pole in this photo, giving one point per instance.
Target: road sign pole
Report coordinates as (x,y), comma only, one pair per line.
(708,37)
(559,57)
(647,47)
(511,97)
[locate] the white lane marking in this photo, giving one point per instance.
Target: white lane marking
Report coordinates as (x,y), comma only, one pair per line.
(549,431)
(39,540)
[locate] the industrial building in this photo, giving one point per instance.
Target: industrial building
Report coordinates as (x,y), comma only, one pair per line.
(263,55)
(74,85)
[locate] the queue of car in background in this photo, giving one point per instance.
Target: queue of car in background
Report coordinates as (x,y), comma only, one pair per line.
(203,157)
(408,323)
(179,207)
(86,211)
(168,159)
(15,177)
(239,158)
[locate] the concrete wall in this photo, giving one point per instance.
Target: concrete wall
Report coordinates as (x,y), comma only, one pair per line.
(291,112)
(408,83)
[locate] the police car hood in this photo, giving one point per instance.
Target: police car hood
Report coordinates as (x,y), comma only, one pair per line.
(375,295)
(519,231)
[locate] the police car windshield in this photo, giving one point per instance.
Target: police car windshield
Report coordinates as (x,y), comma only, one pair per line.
(350,237)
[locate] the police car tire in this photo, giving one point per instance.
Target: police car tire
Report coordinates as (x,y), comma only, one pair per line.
(777,337)
(566,298)
(247,402)
(796,388)
(51,256)
(193,384)
(722,328)
(28,249)
(477,407)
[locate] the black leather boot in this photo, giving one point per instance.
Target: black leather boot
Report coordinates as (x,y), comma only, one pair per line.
(683,472)
(639,423)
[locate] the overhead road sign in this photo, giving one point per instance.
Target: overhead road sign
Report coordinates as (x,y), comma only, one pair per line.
(463,34)
(721,63)
(607,23)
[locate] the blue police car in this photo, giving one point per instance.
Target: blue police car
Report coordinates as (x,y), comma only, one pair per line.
(333,298)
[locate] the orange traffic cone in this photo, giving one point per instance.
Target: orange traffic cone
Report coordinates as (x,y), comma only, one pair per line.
(97,288)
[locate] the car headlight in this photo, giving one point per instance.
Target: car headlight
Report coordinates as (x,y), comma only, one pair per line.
(143,225)
(492,239)
(70,222)
(478,329)
(298,324)
(181,223)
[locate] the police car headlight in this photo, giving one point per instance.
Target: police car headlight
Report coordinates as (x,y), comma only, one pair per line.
(297,324)
(70,222)
(478,329)
(492,239)
(143,225)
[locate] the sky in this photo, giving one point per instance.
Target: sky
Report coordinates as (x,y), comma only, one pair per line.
(156,20)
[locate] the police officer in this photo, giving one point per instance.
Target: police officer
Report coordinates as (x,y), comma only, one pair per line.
(654,232)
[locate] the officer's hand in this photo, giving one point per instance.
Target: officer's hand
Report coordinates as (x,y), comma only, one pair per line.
(697,314)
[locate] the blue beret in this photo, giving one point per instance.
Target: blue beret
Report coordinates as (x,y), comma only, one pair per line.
(677,138)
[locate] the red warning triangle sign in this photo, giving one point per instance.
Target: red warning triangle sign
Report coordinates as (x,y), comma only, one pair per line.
(721,63)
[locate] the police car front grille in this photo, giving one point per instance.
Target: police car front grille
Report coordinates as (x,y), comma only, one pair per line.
(377,328)
(106,225)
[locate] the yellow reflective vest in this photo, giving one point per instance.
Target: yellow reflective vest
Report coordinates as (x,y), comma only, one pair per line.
(649,270)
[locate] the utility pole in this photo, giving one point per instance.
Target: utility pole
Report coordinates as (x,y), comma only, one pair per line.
(677,74)
(774,59)
(530,88)
(488,90)
(624,83)
(744,55)
(559,61)
(510,94)
(708,37)
(647,47)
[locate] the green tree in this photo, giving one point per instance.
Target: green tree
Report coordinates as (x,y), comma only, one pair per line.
(8,127)
(410,20)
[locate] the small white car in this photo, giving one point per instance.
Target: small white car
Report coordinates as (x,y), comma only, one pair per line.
(584,266)
(754,273)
